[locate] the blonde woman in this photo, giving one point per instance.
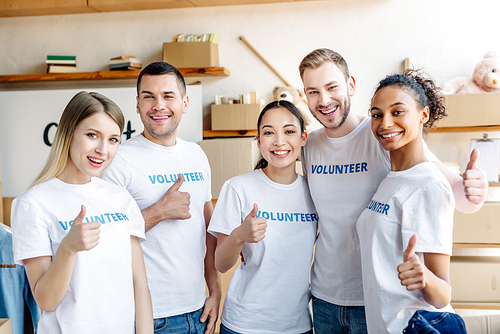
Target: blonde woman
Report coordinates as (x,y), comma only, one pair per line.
(78,236)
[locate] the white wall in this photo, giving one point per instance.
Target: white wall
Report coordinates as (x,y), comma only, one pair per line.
(24,116)
(447,38)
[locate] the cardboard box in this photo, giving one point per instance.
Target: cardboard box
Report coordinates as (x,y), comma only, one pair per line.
(472,110)
(191,54)
(235,116)
(5,326)
(480,321)
(482,226)
(230,157)
(475,279)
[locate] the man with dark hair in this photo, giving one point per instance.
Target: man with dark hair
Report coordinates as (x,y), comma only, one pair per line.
(178,253)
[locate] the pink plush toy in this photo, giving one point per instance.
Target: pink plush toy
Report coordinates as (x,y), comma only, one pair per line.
(486,78)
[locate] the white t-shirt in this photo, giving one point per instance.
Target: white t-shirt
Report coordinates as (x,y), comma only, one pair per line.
(343,174)
(415,201)
(174,251)
(100,297)
(269,292)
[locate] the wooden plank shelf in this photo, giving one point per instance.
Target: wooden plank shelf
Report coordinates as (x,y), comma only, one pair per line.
(133,74)
(476,306)
(234,133)
(464,245)
(467,128)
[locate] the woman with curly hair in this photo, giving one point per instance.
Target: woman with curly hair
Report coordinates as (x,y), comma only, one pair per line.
(400,274)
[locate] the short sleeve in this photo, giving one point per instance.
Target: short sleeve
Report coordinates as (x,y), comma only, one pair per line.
(30,233)
(118,172)
(428,212)
(209,189)
(228,213)
(137,226)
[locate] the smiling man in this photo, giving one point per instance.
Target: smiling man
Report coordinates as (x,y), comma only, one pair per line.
(341,194)
(170,180)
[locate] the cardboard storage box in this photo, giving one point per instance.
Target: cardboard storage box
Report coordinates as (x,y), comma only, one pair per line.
(472,110)
(191,54)
(482,226)
(480,321)
(475,279)
(229,157)
(235,116)
(5,326)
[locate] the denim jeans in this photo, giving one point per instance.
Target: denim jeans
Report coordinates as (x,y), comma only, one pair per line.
(225,330)
(188,323)
(330,318)
(426,322)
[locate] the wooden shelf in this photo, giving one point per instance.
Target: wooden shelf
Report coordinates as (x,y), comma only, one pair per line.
(187,72)
(476,306)
(467,128)
(463,245)
(10,8)
(235,133)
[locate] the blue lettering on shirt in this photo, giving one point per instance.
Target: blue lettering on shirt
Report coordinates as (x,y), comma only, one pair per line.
(291,217)
(353,168)
(171,178)
(102,218)
(378,207)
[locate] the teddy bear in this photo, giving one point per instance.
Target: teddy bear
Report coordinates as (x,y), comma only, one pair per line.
(484,79)
(293,95)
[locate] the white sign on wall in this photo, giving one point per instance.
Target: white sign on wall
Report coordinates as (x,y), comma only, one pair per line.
(27,125)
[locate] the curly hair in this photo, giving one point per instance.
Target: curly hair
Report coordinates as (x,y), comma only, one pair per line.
(423,90)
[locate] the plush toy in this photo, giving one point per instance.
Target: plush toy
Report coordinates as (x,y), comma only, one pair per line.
(293,95)
(484,79)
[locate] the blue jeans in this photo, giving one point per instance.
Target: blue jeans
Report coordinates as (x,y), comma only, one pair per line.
(225,330)
(435,323)
(330,318)
(188,323)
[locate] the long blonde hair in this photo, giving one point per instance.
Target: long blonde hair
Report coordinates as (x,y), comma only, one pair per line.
(80,107)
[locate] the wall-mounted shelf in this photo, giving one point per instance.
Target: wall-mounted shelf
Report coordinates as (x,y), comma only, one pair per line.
(10,8)
(187,72)
(464,245)
(234,133)
(467,128)
(476,306)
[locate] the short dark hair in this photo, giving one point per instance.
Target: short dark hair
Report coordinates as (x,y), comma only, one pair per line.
(162,68)
(275,105)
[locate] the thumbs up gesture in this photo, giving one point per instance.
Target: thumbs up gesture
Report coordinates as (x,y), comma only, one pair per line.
(411,271)
(175,203)
(81,236)
(475,181)
(253,229)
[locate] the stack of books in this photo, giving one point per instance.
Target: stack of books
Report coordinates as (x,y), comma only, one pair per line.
(61,64)
(195,38)
(124,63)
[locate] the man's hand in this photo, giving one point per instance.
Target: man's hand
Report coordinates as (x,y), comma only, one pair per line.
(210,312)
(174,205)
(475,181)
